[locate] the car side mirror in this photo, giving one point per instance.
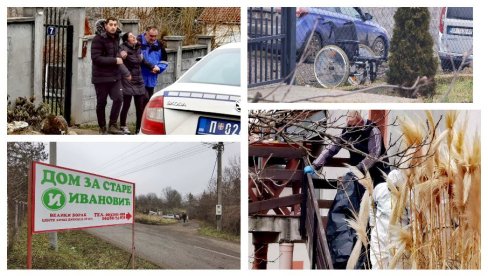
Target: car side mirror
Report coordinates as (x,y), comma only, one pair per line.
(367,16)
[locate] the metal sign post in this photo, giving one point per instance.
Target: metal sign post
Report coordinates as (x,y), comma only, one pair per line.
(29,217)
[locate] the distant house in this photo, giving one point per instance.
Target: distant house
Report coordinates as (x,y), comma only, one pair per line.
(222,23)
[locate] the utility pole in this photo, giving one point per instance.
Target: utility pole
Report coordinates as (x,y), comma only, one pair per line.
(53,236)
(218,208)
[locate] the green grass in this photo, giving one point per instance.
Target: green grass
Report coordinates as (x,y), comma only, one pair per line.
(210,231)
(153,220)
(461,92)
(76,250)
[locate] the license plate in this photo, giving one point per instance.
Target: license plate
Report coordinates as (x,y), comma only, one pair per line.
(460,31)
(218,126)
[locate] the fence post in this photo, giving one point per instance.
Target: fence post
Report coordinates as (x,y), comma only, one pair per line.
(289,22)
(205,40)
(38,43)
(130,25)
(176,42)
(77,18)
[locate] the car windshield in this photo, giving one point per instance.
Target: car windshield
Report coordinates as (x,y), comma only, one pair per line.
(221,67)
(460,13)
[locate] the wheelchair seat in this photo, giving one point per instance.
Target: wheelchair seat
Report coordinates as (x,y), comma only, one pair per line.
(346,37)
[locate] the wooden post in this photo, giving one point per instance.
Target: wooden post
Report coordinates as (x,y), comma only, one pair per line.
(133,244)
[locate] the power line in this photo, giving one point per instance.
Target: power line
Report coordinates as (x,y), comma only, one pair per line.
(161,162)
(130,161)
(109,163)
(172,157)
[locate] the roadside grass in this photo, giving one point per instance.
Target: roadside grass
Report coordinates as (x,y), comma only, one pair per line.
(153,220)
(76,250)
(210,231)
(461,92)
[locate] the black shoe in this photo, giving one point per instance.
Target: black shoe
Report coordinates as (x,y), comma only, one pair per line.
(114,130)
(102,130)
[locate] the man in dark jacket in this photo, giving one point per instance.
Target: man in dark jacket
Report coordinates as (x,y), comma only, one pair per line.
(369,151)
(106,75)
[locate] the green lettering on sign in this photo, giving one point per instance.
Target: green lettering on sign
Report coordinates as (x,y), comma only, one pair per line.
(53,199)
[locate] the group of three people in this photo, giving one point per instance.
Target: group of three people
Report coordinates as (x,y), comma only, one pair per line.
(124,71)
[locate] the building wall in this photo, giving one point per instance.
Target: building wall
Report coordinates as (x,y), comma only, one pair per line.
(20,57)
(224,33)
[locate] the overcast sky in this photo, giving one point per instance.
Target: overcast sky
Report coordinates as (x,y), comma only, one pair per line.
(185,167)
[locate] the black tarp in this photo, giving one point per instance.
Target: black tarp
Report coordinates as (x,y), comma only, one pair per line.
(340,237)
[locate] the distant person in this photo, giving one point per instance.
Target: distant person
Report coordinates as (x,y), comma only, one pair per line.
(133,87)
(106,75)
(153,52)
(184,217)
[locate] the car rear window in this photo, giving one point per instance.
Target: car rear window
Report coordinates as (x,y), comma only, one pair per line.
(460,13)
(221,67)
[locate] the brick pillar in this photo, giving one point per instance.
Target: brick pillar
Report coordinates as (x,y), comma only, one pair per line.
(176,42)
(205,40)
(380,118)
(129,25)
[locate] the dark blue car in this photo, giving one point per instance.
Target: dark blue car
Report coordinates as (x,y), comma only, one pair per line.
(369,33)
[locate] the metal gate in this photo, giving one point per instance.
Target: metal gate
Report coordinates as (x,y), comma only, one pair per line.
(271,48)
(57,62)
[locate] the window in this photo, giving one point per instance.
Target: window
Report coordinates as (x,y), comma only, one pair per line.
(221,67)
(350,12)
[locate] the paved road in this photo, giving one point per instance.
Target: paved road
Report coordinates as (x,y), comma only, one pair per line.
(175,246)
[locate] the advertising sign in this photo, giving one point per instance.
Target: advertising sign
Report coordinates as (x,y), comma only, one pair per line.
(64,198)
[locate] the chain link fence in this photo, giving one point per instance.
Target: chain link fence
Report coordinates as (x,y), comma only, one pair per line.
(451,30)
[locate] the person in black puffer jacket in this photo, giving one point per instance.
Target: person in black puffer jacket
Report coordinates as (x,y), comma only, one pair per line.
(106,74)
(135,86)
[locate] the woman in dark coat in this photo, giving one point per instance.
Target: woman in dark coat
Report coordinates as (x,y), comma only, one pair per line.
(133,85)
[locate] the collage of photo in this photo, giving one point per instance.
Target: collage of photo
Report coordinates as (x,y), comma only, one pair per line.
(129,130)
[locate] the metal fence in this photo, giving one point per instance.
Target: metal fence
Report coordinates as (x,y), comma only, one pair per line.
(58,62)
(450,28)
(271,48)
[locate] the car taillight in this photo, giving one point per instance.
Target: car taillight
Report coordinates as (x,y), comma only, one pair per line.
(153,117)
(441,21)
(301,11)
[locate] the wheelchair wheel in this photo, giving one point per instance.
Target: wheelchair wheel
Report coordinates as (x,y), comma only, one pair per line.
(331,66)
(360,72)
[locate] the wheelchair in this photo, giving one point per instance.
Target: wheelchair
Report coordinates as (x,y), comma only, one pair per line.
(344,58)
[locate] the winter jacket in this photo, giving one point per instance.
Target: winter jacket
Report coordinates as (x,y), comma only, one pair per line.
(104,53)
(359,137)
(154,54)
(133,63)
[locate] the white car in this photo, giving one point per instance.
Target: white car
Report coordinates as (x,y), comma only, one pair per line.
(455,37)
(204,100)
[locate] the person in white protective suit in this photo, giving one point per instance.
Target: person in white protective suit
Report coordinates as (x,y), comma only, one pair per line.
(379,220)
